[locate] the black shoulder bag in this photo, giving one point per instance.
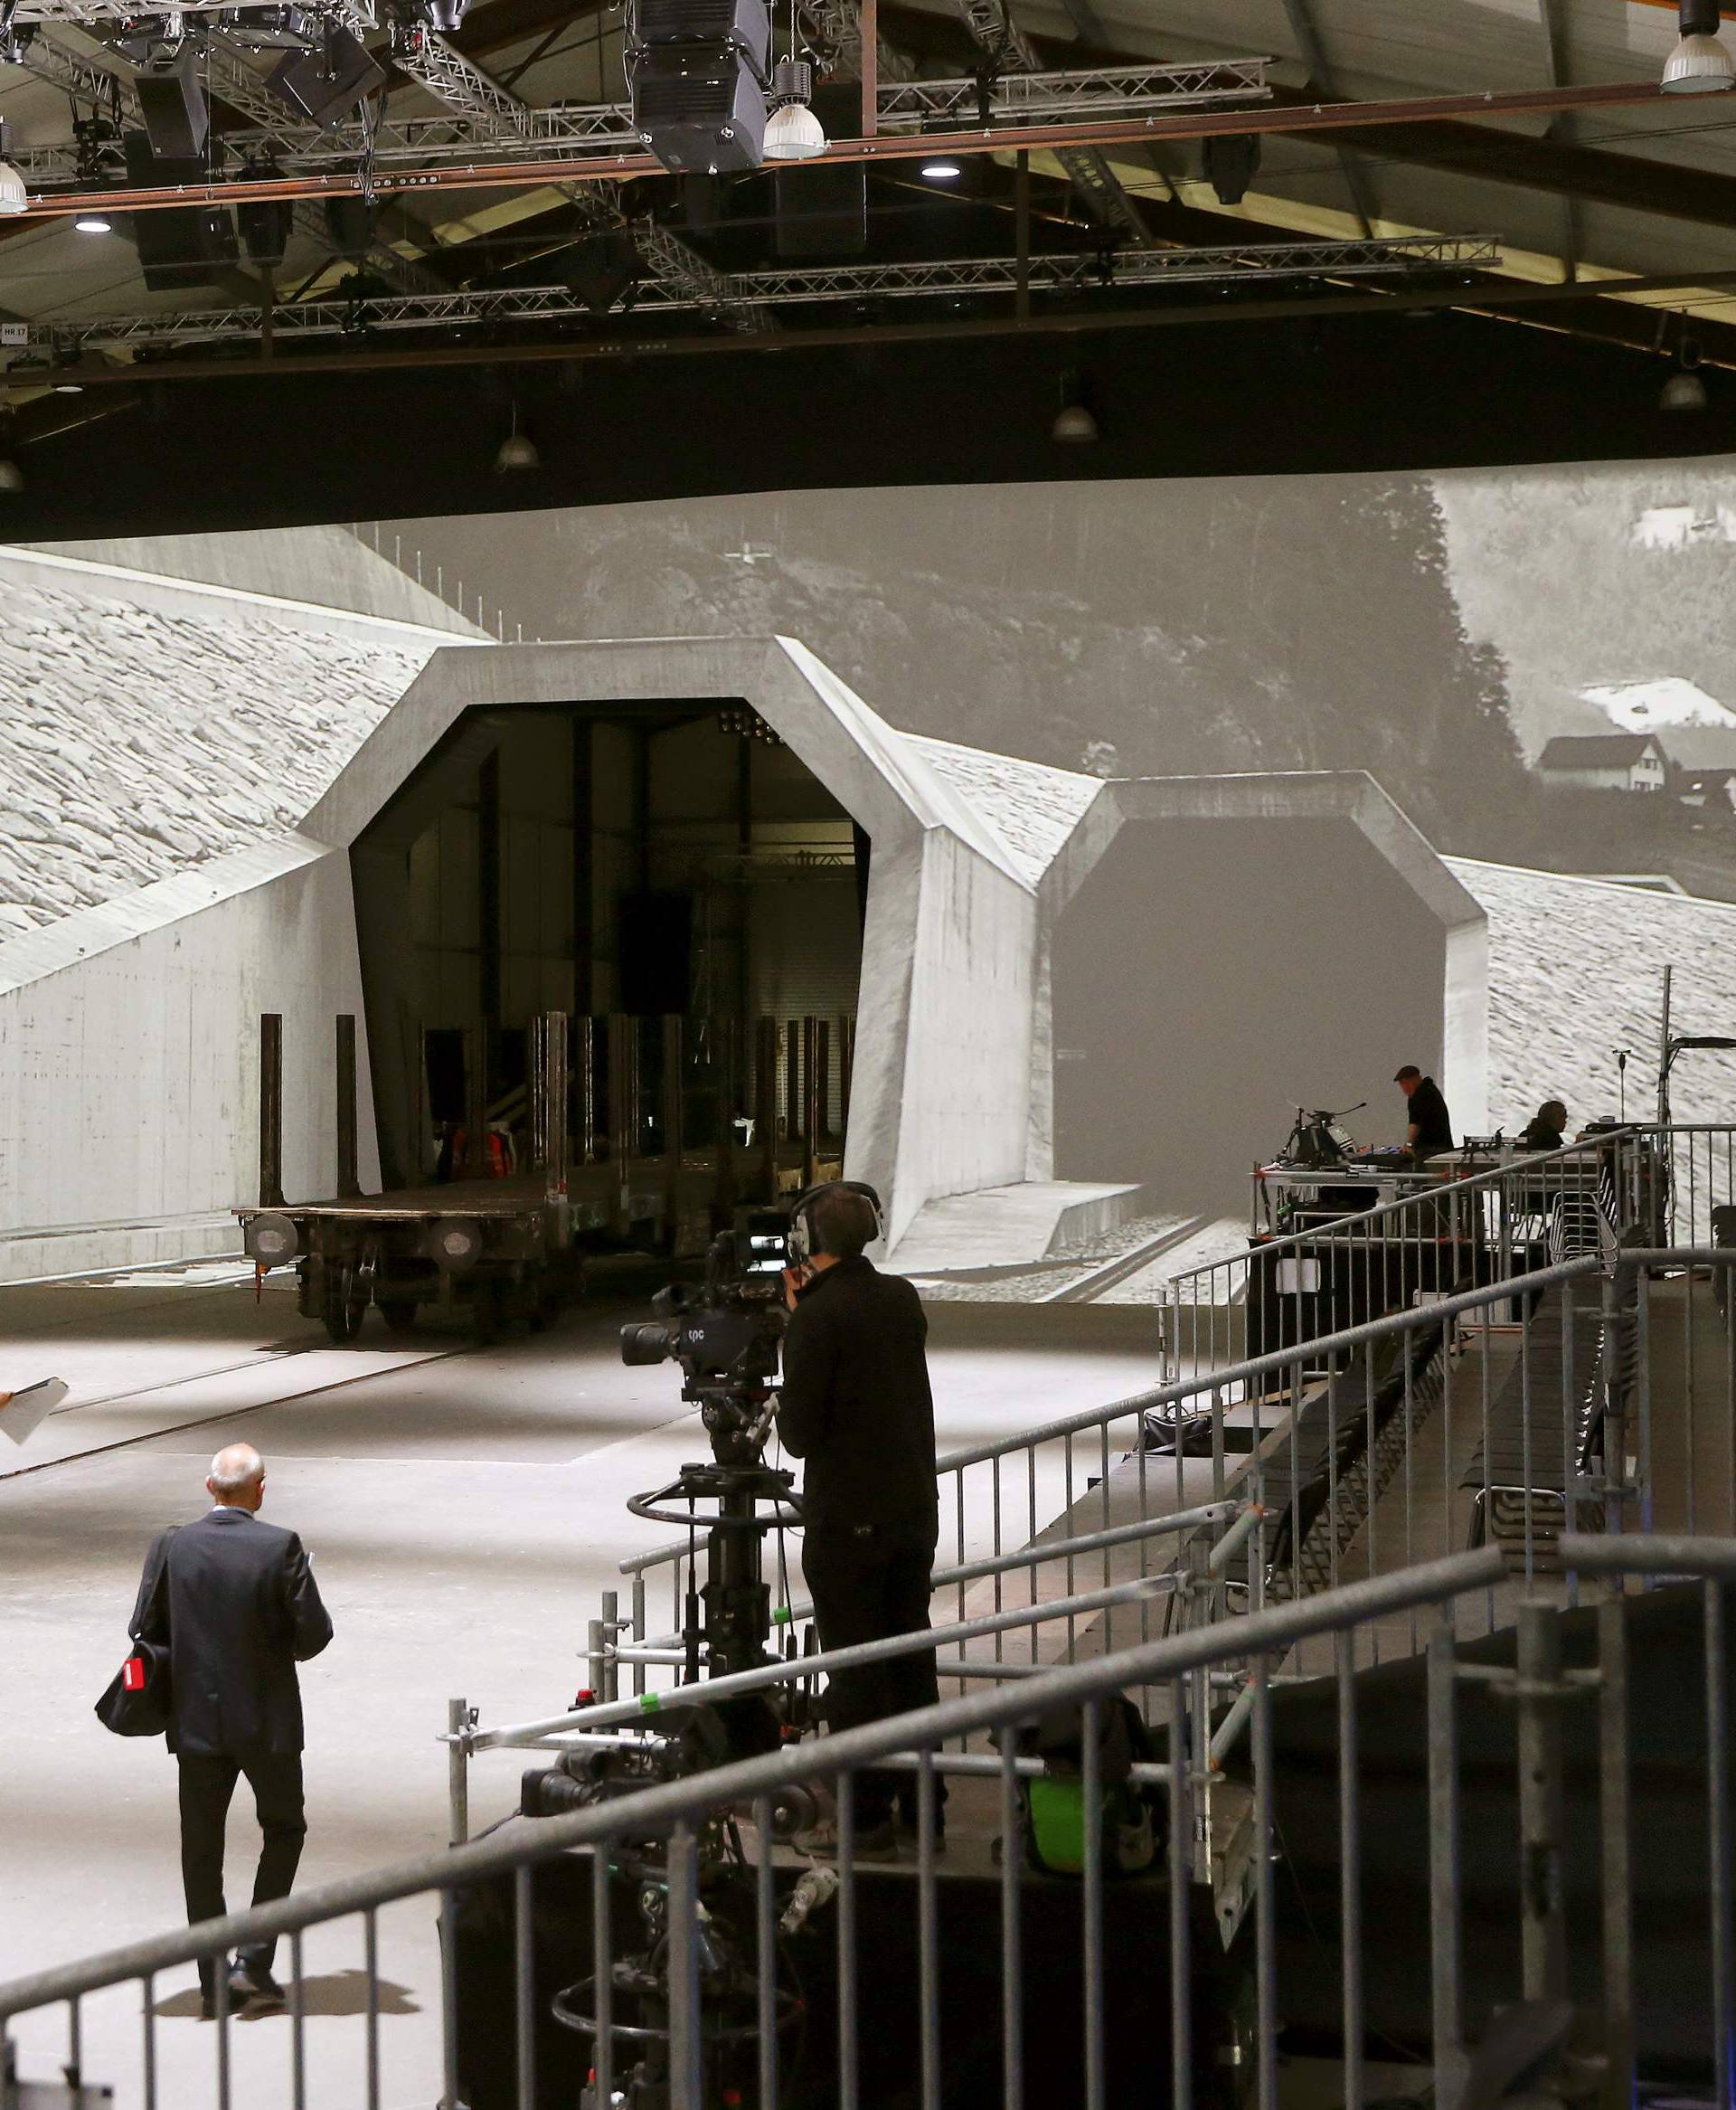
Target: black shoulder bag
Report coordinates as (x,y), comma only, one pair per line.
(137,1703)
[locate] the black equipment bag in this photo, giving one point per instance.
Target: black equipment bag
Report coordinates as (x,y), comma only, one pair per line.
(136,1702)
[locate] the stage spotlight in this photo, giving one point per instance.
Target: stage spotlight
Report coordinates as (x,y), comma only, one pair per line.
(1229,162)
(93,224)
(697,78)
(602,271)
(445,15)
(941,172)
(322,85)
(1701,63)
(793,133)
(13,197)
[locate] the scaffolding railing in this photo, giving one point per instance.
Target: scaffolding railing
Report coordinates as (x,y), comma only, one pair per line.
(1521,1790)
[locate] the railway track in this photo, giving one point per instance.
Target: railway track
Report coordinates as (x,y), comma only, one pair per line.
(1089,1287)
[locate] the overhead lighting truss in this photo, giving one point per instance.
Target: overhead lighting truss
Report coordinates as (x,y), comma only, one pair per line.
(100,16)
(584,131)
(1066,276)
(1073,96)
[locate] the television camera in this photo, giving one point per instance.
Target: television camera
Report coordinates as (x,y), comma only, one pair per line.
(725,1335)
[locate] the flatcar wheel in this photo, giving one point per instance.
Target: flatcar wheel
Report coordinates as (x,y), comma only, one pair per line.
(484,1313)
(400,1315)
(346,1302)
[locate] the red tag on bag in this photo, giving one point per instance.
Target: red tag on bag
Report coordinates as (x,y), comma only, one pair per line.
(132,1674)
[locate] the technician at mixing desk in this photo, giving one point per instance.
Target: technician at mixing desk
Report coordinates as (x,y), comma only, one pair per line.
(856,1407)
(1431,1127)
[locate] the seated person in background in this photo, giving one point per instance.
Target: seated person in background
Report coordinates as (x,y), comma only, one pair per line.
(1548,1128)
(1431,1127)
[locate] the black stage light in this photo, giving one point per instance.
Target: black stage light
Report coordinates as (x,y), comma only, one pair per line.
(1229,163)
(349,220)
(821,210)
(172,102)
(601,271)
(325,84)
(265,224)
(180,246)
(697,71)
(699,107)
(746,24)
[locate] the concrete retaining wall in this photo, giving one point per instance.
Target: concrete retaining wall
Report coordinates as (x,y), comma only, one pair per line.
(129,1059)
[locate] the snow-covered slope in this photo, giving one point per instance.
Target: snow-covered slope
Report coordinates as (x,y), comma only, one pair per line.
(1576,971)
(145,729)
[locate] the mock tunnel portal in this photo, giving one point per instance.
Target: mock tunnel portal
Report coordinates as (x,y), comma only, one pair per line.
(1212,975)
(673,879)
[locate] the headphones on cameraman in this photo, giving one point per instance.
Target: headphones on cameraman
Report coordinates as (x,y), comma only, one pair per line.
(801,1226)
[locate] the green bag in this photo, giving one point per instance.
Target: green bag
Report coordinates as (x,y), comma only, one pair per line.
(1053,1805)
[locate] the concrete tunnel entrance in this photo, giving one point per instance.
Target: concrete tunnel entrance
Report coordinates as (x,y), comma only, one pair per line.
(643,866)
(1212,975)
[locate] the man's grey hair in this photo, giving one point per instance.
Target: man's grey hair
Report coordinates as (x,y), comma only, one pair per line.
(236,1467)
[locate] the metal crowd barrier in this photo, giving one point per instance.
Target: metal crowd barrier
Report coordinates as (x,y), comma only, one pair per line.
(1509,1412)
(1662,1184)
(1524,1776)
(1475,1236)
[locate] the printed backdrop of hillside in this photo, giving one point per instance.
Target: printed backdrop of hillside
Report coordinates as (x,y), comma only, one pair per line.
(1139,628)
(1594,576)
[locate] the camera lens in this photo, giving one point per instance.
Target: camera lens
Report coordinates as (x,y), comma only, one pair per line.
(646,1342)
(546,1792)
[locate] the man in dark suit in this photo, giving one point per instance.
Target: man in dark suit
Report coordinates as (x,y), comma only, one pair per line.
(241,1610)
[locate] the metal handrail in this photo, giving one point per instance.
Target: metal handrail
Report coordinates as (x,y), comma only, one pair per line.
(1276,1361)
(680,1802)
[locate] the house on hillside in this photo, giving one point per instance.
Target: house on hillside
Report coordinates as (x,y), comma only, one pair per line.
(1713,792)
(1605,762)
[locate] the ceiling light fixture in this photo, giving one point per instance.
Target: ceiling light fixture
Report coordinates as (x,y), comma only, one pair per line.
(1684,393)
(93,224)
(518,452)
(793,133)
(1074,425)
(941,172)
(1701,63)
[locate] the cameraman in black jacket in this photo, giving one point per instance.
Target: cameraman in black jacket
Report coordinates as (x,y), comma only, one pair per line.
(856,1407)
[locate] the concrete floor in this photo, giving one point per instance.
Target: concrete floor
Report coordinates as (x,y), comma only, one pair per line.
(465,1509)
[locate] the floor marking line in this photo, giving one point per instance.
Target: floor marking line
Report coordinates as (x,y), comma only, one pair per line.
(227,1413)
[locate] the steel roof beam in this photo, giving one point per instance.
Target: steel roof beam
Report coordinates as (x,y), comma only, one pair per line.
(1597,175)
(510,172)
(1307,33)
(995,34)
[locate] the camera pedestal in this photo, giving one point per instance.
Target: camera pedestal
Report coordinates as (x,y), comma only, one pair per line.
(737,1621)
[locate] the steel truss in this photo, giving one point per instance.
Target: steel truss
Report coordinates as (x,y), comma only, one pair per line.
(100,80)
(1072,95)
(1070,274)
(476,125)
(99,16)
